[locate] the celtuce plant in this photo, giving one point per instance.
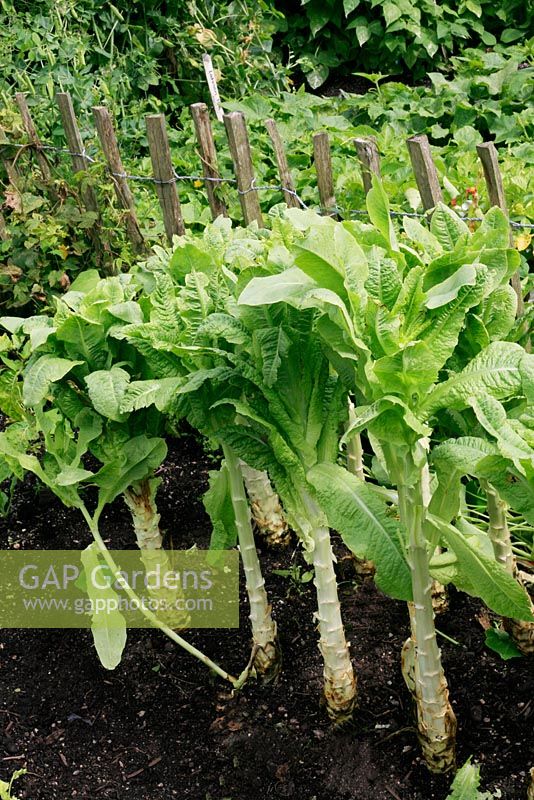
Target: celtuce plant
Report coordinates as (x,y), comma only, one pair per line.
(397,320)
(266,368)
(73,388)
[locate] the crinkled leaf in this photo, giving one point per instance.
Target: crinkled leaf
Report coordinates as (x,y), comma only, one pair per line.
(495,370)
(142,394)
(447,227)
(106,389)
(137,459)
(40,376)
(273,344)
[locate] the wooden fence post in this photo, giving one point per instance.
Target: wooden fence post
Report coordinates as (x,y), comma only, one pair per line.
(110,148)
(487,153)
(370,161)
(160,155)
(208,156)
(236,130)
(286,180)
(425,171)
(323,168)
(31,130)
(80,162)
(4,235)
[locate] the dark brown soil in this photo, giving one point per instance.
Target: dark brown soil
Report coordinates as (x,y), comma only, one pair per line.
(161,727)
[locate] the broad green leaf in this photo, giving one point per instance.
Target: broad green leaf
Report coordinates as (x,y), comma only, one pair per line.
(84,339)
(273,344)
(466,783)
(106,389)
(378,209)
(317,258)
(514,488)
(419,234)
(12,324)
(86,281)
(482,576)
(384,282)
(30,463)
(349,6)
(410,303)
(365,415)
(137,460)
(108,626)
(129,311)
(495,370)
(463,454)
(499,312)
(501,642)
(69,476)
(447,227)
(141,394)
(492,416)
(201,376)
(40,376)
(189,257)
(218,503)
(284,287)
(354,510)
(391,12)
(452,460)
(443,293)
(493,231)
(39,328)
(223,326)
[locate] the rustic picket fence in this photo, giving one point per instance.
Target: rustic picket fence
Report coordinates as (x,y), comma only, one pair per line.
(165,178)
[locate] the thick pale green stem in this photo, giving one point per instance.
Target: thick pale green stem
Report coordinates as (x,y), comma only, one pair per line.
(265,506)
(354,448)
(440,599)
(498,531)
(140,498)
(153,619)
(339,678)
(264,636)
(424,673)
(530,792)
(522,632)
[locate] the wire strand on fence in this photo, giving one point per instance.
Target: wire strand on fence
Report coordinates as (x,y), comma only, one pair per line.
(351,212)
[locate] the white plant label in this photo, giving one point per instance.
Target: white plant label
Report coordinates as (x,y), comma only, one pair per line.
(212,84)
